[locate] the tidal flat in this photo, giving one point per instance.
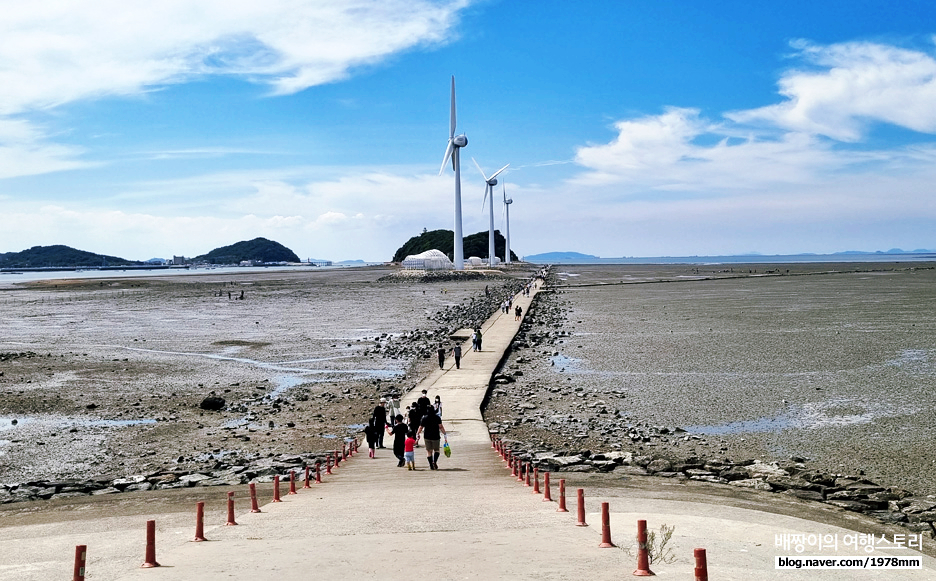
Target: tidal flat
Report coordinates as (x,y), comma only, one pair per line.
(104,378)
(831,363)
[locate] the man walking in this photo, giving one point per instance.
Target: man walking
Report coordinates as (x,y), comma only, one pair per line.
(441,356)
(456,353)
(380,420)
(431,426)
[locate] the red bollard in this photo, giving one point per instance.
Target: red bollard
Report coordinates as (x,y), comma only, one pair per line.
(276,496)
(254,507)
(528,470)
(701,565)
(562,504)
(581,508)
(150,545)
(337,458)
(546,496)
(307,470)
(520,470)
(81,555)
(318,472)
(292,482)
(512,464)
(605,527)
(328,463)
(230,521)
(199,523)
(493,441)
(536,489)
(643,555)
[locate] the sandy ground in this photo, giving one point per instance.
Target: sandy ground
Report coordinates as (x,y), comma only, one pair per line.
(832,363)
(103,378)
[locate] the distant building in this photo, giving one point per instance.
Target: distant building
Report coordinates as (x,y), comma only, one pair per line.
(176,260)
(428,260)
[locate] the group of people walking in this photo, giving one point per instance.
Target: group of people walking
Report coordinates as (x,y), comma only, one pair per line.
(422,419)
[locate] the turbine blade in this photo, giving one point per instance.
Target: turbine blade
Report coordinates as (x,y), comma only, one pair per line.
(479,169)
(498,171)
(448,154)
(505,193)
(452,115)
(483,202)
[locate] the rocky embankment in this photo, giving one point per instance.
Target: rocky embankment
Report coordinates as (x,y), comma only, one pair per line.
(232,467)
(548,422)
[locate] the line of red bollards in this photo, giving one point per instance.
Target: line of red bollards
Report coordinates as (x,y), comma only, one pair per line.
(516,467)
(81,551)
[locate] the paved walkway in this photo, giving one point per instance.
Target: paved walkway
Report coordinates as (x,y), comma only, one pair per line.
(468,520)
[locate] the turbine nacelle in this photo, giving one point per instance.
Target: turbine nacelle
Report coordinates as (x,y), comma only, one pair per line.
(492,182)
(460,140)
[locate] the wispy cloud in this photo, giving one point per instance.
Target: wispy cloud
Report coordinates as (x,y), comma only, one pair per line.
(58,52)
(850,86)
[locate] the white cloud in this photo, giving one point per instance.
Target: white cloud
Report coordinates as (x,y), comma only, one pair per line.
(57,51)
(852,85)
(24,151)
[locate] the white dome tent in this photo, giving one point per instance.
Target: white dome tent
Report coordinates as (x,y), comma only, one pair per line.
(428,260)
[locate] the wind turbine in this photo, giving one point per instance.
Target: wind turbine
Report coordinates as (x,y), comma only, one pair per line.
(489,189)
(507,202)
(455,143)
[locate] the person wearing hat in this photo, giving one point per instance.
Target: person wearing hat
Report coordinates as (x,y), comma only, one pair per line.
(380,420)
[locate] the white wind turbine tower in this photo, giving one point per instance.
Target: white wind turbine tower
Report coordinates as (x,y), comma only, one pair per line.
(455,143)
(490,182)
(507,202)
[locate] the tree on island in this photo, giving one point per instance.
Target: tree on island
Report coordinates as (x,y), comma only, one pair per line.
(59,256)
(444,241)
(257,250)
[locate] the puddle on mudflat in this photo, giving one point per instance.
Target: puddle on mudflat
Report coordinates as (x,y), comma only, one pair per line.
(810,416)
(564,363)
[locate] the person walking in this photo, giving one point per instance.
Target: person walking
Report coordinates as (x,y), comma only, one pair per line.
(423,403)
(441,356)
(474,340)
(370,433)
(478,331)
(456,353)
(517,312)
(409,450)
(380,420)
(399,431)
(437,406)
(431,426)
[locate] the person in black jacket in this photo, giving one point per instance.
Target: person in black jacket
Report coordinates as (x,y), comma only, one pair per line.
(380,420)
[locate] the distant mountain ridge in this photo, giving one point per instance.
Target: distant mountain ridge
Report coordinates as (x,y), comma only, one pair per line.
(59,255)
(558,257)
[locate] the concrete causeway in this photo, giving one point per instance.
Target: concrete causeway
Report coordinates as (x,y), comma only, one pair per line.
(467,520)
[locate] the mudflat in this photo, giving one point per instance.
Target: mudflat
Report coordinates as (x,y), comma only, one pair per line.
(834,364)
(105,378)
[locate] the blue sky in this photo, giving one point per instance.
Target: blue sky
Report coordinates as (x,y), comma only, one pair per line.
(633,128)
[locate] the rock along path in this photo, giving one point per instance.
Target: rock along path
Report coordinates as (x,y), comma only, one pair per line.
(468,520)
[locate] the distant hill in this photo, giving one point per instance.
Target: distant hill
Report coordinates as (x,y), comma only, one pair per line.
(58,255)
(558,257)
(444,241)
(258,250)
